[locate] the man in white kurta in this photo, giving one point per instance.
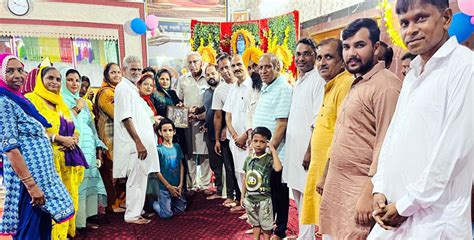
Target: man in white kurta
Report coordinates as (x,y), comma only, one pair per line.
(305,103)
(426,161)
(129,105)
(190,89)
(236,115)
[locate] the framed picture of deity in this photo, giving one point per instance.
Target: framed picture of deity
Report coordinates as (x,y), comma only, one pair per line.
(179,115)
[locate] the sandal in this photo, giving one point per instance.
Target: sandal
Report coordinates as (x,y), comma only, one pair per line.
(140,221)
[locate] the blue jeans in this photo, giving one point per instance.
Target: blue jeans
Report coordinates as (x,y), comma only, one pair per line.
(167,205)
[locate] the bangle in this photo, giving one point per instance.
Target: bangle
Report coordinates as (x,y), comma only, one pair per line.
(53,138)
(76,109)
(26,178)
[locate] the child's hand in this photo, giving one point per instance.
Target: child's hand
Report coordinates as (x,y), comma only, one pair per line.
(173,191)
(270,146)
(242,202)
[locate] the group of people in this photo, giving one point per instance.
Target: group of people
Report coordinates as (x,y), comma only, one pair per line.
(364,153)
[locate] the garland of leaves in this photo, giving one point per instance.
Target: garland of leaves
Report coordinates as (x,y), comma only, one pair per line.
(210,33)
(252,27)
(279,24)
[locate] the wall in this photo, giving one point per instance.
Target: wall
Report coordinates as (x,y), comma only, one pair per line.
(308,9)
(86,16)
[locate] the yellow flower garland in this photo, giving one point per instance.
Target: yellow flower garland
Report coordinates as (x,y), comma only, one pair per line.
(281,51)
(208,54)
(249,39)
(390,23)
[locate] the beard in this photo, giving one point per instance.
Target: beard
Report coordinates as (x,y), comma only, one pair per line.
(363,68)
(212,82)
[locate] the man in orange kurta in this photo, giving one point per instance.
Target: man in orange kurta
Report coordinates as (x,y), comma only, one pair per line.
(365,115)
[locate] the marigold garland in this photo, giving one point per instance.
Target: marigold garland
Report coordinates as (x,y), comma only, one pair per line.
(390,23)
(208,54)
(281,51)
(249,39)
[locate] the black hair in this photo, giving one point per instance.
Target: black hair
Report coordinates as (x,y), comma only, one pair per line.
(265,132)
(149,69)
(210,65)
(408,55)
(335,41)
(309,42)
(356,25)
(223,56)
(388,54)
(85,79)
(46,70)
(160,72)
(402,6)
(107,69)
(73,71)
(256,81)
(164,121)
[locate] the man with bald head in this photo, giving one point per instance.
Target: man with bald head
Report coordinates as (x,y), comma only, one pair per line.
(272,112)
(190,90)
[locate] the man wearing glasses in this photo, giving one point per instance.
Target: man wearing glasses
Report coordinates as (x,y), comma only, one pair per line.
(306,100)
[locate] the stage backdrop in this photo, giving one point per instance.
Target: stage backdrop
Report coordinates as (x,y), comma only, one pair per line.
(277,35)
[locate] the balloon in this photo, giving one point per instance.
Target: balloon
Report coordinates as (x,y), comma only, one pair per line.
(461,27)
(151,22)
(138,26)
(128,29)
(466,6)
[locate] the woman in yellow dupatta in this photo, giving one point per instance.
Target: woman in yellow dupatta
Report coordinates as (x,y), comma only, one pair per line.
(47,99)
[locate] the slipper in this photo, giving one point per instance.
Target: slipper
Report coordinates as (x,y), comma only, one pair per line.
(92,225)
(232,204)
(148,215)
(244,216)
(213,196)
(140,221)
(237,208)
(250,231)
(227,201)
(119,210)
(208,192)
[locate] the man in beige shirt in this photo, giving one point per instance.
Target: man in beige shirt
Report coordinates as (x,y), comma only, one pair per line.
(190,90)
(346,204)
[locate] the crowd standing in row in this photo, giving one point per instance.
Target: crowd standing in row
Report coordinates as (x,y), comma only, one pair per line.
(365,154)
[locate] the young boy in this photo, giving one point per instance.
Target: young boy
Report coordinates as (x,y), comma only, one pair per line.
(256,190)
(171,199)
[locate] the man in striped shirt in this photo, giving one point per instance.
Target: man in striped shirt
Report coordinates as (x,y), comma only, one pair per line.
(272,112)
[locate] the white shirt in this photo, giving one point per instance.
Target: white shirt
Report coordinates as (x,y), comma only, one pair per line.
(236,104)
(426,161)
(306,101)
(220,95)
(191,91)
(252,95)
(129,104)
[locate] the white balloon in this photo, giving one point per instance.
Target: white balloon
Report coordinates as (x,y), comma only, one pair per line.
(128,29)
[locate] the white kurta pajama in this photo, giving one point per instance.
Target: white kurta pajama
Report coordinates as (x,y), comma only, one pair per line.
(426,161)
(129,104)
(236,104)
(306,101)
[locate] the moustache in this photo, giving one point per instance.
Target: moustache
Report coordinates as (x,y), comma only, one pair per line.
(356,59)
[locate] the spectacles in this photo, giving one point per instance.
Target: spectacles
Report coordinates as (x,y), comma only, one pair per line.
(304,54)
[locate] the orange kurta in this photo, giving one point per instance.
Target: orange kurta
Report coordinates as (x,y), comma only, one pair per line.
(360,130)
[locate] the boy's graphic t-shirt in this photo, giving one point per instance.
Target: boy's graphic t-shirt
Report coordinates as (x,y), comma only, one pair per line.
(170,160)
(257,177)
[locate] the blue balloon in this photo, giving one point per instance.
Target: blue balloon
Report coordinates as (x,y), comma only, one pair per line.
(461,27)
(138,26)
